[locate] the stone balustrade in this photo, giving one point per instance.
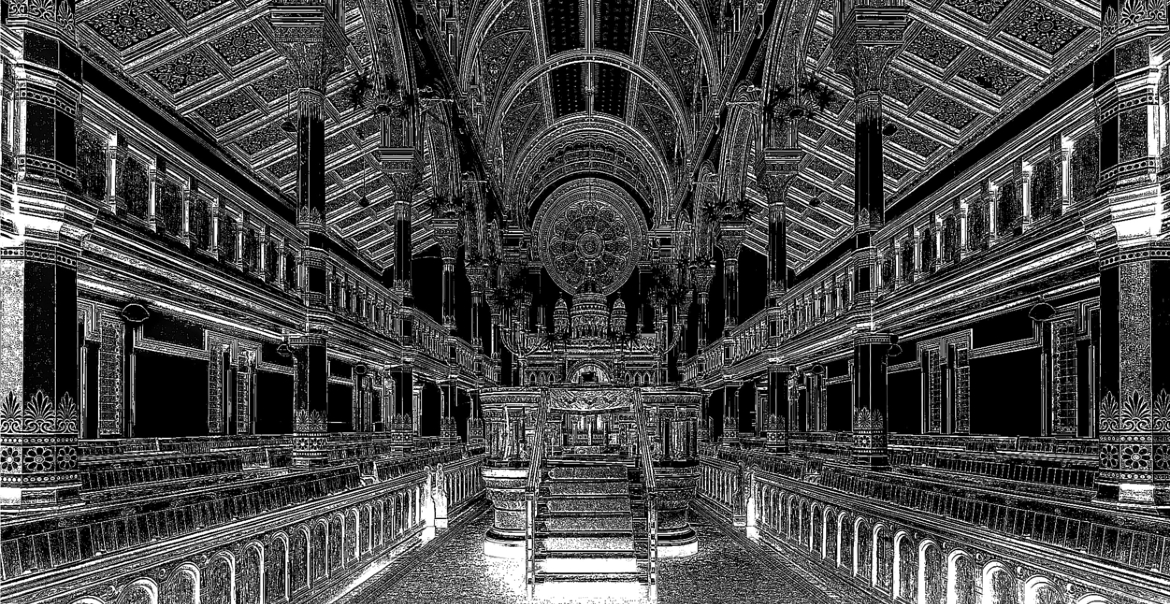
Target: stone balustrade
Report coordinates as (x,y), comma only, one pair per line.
(44,545)
(917,542)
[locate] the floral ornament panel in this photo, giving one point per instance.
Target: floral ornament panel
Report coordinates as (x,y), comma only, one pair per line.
(984,10)
(590,237)
(935,47)
(991,74)
(241,44)
(948,111)
(227,109)
(189,9)
(1043,27)
(183,72)
(130,23)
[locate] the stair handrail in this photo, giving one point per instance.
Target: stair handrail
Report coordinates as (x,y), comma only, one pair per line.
(648,485)
(532,489)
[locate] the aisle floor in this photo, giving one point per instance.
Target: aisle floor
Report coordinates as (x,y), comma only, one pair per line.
(728,569)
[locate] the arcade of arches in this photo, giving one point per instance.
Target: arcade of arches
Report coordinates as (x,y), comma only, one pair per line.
(528,300)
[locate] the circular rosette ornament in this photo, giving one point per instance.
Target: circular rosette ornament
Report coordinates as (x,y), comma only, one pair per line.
(590,237)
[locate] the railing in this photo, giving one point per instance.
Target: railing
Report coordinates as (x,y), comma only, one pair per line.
(532,492)
(649,492)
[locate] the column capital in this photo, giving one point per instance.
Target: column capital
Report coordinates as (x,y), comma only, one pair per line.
(311,39)
(867,37)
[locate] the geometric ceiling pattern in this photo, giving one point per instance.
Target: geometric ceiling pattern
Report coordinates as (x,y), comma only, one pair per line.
(625,71)
(965,65)
(214,63)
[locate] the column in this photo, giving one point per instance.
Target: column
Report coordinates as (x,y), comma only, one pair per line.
(731,236)
(730,412)
(780,165)
(869,399)
(760,421)
(1134,409)
(314,45)
(704,271)
(402,423)
(447,234)
(866,39)
(189,190)
(157,172)
(778,375)
(1024,177)
(262,254)
(39,417)
(991,198)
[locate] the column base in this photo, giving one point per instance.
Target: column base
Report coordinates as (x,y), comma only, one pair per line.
(1133,495)
(870,460)
(20,500)
(309,450)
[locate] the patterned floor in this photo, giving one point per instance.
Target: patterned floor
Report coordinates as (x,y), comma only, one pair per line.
(727,569)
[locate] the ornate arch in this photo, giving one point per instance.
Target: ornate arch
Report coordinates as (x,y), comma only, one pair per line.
(602,131)
(740,141)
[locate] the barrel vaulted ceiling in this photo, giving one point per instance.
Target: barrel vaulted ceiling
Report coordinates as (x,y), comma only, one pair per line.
(562,84)
(552,90)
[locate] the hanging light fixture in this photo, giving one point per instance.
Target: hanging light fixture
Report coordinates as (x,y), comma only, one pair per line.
(287,125)
(363,201)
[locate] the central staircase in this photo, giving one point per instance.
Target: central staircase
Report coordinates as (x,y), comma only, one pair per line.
(591,521)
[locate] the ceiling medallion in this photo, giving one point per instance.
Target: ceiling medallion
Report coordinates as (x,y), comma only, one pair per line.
(590,235)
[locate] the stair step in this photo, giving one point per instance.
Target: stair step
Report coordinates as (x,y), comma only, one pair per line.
(592,472)
(592,504)
(589,566)
(587,524)
(585,488)
(632,578)
(586,542)
(544,554)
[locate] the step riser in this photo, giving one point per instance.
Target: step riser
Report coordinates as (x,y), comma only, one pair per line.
(588,543)
(587,565)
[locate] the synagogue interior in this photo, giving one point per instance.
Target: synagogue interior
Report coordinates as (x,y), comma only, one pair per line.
(430,301)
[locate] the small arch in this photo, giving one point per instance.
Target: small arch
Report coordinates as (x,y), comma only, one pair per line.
(999,584)
(142,591)
(182,586)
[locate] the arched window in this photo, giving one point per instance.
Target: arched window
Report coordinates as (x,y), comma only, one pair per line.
(133,186)
(977,218)
(270,261)
(1045,187)
(950,237)
(227,238)
(200,223)
(1085,168)
(251,250)
(888,269)
(91,165)
(908,258)
(290,270)
(928,252)
(1010,209)
(170,208)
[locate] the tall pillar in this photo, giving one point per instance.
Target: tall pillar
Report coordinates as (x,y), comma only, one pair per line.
(447,234)
(863,45)
(39,418)
(730,412)
(780,166)
(870,404)
(731,236)
(1125,221)
(313,43)
(704,273)
(778,425)
(865,41)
